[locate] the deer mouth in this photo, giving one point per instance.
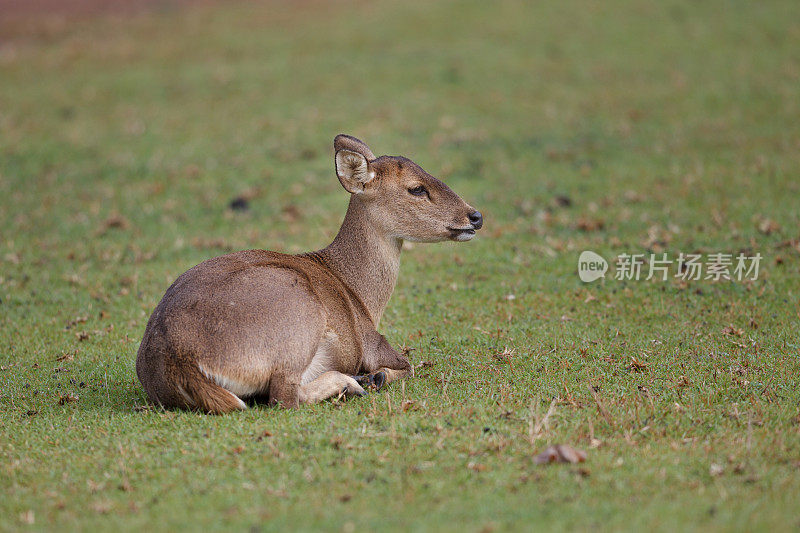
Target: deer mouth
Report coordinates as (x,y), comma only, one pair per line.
(461,234)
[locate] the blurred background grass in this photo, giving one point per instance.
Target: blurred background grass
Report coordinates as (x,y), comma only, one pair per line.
(127,129)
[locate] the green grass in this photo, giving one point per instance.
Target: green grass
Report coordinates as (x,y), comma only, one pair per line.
(122,140)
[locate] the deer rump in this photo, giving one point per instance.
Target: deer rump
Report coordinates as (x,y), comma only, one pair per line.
(241,319)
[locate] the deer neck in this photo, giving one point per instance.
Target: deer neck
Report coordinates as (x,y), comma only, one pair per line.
(365,258)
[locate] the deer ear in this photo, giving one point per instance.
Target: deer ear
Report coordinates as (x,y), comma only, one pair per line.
(353,170)
(346,142)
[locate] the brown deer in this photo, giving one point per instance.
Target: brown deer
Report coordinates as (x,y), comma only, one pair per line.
(297,329)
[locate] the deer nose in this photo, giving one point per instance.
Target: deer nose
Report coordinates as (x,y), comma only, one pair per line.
(476,219)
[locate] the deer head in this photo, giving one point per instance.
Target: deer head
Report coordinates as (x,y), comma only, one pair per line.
(400,198)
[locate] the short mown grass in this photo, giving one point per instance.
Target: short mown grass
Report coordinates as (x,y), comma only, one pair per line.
(619,127)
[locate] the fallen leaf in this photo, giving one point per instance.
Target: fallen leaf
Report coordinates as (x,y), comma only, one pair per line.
(562,201)
(291,213)
(28,517)
(633,197)
(405,350)
(768,226)
(732,331)
(101,507)
(590,224)
(636,365)
(560,453)
(477,467)
(505,356)
(12,258)
(116,221)
(66,357)
(75,321)
(657,238)
(264,434)
(67,398)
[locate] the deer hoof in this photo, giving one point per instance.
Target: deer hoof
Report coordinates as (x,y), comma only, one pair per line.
(374,381)
(351,391)
(378,380)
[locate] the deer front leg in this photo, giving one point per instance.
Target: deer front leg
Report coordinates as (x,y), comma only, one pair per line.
(328,385)
(288,393)
(382,364)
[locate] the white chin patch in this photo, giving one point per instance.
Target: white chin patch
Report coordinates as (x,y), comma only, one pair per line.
(465,236)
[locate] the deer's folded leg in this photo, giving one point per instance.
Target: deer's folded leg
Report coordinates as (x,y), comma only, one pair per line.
(328,385)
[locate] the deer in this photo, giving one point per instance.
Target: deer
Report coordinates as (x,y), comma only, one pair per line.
(292,330)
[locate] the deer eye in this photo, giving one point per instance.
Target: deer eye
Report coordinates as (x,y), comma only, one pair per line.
(419,190)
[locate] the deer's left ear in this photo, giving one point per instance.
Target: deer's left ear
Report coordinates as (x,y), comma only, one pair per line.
(353,171)
(348,142)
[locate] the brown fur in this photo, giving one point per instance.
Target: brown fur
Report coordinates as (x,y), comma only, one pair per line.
(290,328)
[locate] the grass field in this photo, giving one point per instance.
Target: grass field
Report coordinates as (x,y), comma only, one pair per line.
(621,127)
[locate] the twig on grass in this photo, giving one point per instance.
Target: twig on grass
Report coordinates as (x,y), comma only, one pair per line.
(536,428)
(446,383)
(601,408)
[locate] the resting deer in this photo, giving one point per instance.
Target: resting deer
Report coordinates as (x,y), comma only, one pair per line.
(297,329)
